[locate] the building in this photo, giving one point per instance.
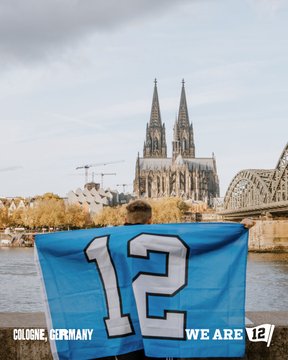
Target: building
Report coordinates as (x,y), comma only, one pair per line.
(183,174)
(93,198)
(16,203)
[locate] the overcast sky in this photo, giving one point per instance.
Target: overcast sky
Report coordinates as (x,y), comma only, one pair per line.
(77,82)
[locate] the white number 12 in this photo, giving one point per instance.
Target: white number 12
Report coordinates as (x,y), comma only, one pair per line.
(145,284)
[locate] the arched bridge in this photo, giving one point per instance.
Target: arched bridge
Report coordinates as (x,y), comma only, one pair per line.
(254,192)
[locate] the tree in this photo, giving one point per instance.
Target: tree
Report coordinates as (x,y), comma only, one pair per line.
(110,216)
(165,210)
(48,196)
(76,216)
(50,212)
(30,217)
(4,220)
(16,218)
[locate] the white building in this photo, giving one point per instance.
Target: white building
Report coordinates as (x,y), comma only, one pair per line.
(93,198)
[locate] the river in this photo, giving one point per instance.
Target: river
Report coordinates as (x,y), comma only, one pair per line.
(20,289)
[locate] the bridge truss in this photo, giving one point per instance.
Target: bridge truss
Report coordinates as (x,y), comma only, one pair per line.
(253,191)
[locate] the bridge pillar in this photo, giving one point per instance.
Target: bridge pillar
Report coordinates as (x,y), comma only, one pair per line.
(269,235)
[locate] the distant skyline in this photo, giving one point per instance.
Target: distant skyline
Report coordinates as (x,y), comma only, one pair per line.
(77,83)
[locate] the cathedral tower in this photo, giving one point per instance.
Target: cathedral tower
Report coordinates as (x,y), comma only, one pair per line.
(155,144)
(182,175)
(183,138)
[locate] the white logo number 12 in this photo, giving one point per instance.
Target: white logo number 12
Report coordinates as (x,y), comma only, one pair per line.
(145,284)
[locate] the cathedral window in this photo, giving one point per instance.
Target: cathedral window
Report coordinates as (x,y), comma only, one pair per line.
(155,144)
(184,144)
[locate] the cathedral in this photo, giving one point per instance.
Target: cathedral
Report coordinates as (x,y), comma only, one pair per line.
(183,174)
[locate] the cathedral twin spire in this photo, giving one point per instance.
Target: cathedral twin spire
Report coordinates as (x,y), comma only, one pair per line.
(183,139)
(155,117)
(155,144)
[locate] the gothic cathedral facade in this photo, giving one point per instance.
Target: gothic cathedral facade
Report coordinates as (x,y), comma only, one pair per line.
(183,174)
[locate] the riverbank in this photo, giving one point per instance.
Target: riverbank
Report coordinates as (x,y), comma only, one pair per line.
(33,350)
(264,236)
(17,239)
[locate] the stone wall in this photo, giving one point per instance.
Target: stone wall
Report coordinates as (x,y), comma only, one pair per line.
(269,235)
(265,236)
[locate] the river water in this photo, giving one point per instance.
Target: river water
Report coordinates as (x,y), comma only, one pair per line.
(20,289)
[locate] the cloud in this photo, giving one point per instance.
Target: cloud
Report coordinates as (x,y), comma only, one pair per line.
(267,6)
(11,168)
(33,28)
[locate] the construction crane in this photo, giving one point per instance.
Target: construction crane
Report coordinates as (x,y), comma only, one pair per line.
(87,167)
(102,177)
(124,186)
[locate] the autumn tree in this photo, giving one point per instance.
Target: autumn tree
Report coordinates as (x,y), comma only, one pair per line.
(165,210)
(76,217)
(17,218)
(48,196)
(4,220)
(110,216)
(30,217)
(47,210)
(50,212)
